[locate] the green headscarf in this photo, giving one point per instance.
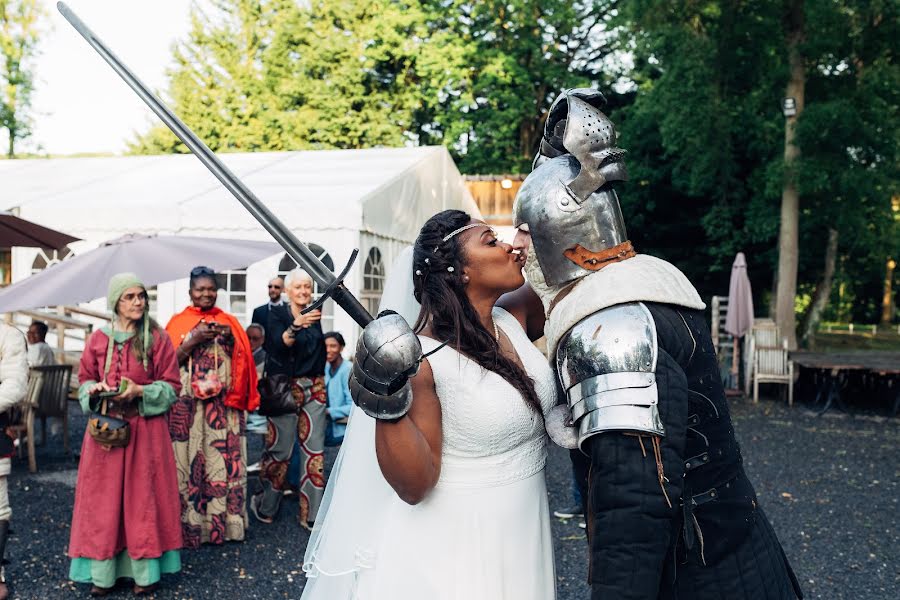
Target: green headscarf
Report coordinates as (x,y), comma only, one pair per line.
(117,285)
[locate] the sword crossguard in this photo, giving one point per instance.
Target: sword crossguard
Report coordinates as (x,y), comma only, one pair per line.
(338,282)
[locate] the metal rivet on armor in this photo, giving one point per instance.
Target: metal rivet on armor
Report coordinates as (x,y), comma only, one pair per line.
(564,201)
(712,494)
(705,458)
(687,465)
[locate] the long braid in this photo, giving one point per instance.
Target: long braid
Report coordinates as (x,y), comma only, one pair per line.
(446,306)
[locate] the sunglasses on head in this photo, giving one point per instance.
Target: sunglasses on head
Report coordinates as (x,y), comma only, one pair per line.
(200,271)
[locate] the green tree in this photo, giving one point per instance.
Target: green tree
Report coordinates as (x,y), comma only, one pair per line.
(503,63)
(19,36)
(275,75)
(706,137)
(475,76)
(849,133)
(702,134)
(217,85)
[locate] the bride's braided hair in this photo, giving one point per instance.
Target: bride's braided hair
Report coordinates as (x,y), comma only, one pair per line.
(439,288)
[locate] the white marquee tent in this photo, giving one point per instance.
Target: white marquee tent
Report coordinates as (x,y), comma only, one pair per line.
(336,200)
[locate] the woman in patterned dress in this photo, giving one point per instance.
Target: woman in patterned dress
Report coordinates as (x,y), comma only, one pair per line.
(207,423)
(295,347)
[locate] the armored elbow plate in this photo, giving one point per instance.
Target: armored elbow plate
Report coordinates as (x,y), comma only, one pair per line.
(607,365)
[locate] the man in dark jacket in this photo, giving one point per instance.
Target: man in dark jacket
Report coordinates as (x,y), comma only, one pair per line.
(261,312)
(670,511)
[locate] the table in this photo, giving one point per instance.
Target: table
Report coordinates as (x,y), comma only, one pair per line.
(835,367)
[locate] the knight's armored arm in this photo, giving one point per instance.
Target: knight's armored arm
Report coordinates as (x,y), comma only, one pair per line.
(388,353)
(607,366)
(635,485)
(628,399)
(633,518)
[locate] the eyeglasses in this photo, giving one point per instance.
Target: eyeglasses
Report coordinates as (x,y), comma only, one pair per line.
(132,298)
(200,271)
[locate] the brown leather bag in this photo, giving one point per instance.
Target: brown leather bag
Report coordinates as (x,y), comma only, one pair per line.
(110,432)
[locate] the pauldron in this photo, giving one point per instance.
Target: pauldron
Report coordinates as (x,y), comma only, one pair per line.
(607,363)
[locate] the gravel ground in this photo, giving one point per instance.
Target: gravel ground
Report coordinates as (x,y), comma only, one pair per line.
(829,484)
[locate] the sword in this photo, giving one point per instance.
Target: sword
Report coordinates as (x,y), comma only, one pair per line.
(331,286)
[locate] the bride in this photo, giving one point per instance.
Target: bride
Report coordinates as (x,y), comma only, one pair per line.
(448,501)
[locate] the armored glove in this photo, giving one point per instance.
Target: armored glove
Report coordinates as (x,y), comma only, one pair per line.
(388,353)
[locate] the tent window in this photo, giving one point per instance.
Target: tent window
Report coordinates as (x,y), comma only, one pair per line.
(287,264)
(46,258)
(232,287)
(373,280)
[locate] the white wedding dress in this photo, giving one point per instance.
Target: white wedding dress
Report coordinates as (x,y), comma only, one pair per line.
(483,533)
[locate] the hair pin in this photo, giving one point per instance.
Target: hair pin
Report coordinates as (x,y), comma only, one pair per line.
(450,269)
(418,272)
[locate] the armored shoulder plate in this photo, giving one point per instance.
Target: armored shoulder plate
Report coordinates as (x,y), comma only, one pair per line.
(607,363)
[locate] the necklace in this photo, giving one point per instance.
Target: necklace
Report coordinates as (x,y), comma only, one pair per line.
(496,332)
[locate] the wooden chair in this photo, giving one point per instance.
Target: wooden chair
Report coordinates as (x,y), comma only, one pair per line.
(46,396)
(53,401)
(771,362)
(23,417)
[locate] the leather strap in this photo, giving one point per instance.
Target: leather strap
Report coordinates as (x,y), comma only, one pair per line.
(594,261)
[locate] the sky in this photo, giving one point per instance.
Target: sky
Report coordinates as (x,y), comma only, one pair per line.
(80,105)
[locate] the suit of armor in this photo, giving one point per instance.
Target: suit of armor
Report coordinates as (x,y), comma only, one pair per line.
(670,511)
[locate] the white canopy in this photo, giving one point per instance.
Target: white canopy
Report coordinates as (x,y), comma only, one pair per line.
(387,192)
(374,199)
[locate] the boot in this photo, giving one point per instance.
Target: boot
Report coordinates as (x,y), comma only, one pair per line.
(4,533)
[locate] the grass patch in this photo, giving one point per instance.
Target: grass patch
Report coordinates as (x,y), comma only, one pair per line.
(842,342)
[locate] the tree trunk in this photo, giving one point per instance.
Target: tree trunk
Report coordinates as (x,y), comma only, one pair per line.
(823,288)
(788,236)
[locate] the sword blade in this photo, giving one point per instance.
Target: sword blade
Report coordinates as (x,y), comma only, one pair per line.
(296,249)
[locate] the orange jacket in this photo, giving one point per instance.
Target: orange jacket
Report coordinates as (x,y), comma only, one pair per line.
(243,394)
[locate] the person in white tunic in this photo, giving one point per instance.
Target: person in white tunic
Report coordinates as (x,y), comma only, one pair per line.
(447,501)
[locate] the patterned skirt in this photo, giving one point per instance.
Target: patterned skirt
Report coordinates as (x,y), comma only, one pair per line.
(210,446)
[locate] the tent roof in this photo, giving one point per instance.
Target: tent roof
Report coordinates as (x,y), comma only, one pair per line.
(388,191)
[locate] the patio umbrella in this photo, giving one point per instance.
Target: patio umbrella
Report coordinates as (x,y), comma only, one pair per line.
(739,318)
(15,231)
(155,259)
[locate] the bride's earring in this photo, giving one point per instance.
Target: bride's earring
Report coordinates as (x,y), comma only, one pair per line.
(465,279)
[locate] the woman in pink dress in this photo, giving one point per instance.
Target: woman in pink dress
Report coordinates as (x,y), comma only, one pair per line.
(127,517)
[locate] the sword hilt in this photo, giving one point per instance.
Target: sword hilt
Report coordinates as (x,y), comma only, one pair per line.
(336,290)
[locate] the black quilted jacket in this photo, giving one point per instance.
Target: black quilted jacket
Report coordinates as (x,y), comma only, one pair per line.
(706,538)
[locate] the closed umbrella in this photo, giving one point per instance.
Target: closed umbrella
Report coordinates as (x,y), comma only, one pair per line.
(16,231)
(155,259)
(739,318)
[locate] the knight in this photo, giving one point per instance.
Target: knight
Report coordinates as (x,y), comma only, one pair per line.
(670,510)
